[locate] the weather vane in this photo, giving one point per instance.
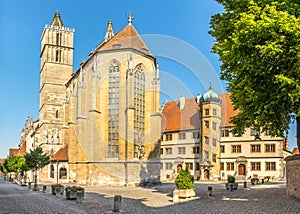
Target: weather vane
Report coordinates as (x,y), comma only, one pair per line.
(130,17)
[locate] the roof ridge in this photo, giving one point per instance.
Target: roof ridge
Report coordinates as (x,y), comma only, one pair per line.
(127,37)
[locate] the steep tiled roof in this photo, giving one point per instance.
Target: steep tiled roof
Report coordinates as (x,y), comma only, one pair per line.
(295,151)
(227,110)
(174,119)
(13,151)
(22,149)
(128,37)
(61,155)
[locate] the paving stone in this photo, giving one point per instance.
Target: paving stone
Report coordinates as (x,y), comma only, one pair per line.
(267,198)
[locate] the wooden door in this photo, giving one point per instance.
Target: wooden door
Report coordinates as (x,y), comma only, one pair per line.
(242,169)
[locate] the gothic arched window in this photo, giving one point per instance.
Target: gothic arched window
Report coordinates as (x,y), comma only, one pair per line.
(62,172)
(139,106)
(113,110)
(51,171)
(58,38)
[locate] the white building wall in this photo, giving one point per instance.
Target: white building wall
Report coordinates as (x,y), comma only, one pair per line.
(261,156)
(169,162)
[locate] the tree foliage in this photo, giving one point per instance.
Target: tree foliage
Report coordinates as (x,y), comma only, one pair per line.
(14,164)
(36,159)
(258,42)
(184,180)
(4,167)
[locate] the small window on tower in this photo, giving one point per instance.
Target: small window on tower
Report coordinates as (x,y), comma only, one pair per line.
(57,56)
(56,114)
(58,38)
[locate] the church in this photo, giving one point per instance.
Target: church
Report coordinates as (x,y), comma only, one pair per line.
(100,123)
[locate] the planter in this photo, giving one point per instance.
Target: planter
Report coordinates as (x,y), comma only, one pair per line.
(184,193)
(53,188)
(72,195)
(254,181)
(234,186)
(71,192)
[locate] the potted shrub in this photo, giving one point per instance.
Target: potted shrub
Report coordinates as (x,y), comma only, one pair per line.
(53,187)
(184,183)
(71,192)
(254,181)
(231,183)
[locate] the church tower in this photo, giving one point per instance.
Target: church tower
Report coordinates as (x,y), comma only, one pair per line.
(56,69)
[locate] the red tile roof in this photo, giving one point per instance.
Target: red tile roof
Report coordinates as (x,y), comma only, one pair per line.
(128,37)
(22,149)
(295,151)
(227,110)
(13,151)
(61,155)
(174,119)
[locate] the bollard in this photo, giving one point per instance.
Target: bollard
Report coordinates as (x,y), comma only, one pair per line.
(62,190)
(231,187)
(79,197)
(245,184)
(29,185)
(57,191)
(262,181)
(117,203)
(209,191)
(175,197)
(44,188)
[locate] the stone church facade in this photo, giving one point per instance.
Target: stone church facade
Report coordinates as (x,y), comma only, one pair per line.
(100,123)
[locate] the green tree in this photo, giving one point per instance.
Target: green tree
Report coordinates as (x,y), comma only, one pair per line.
(258,43)
(184,180)
(4,167)
(36,160)
(16,164)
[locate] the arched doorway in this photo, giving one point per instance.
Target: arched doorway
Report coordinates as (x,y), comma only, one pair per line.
(242,169)
(206,174)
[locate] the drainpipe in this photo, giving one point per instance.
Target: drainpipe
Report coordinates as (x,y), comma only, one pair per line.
(57,162)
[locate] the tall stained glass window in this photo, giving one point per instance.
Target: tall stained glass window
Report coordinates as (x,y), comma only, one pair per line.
(113,110)
(139,106)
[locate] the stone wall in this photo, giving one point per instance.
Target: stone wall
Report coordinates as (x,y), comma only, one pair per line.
(292,175)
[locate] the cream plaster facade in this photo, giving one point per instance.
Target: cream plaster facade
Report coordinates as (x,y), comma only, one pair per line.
(251,157)
(192,139)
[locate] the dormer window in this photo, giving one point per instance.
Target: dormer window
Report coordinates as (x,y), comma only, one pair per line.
(116,45)
(144,50)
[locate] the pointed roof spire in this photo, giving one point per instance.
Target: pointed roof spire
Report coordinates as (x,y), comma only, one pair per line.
(109,31)
(130,17)
(56,21)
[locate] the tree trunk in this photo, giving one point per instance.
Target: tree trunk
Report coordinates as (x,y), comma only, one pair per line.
(35,188)
(298,131)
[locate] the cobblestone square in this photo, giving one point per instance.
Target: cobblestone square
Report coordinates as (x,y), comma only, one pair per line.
(267,198)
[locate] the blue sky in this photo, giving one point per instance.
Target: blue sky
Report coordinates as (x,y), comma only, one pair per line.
(175,31)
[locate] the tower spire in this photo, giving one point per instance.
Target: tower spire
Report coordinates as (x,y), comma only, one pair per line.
(109,31)
(56,21)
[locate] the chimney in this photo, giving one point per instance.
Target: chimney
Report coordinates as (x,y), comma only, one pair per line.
(181,102)
(198,98)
